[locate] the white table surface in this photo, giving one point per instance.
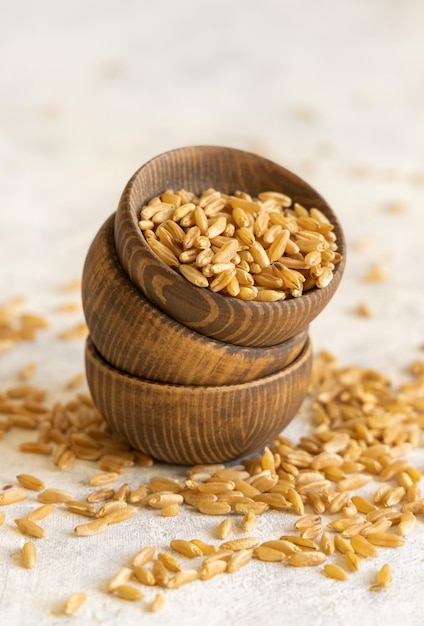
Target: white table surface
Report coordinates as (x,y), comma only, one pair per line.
(91,90)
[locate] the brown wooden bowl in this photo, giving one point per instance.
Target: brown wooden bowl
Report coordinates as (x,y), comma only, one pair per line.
(136,337)
(188,424)
(221,317)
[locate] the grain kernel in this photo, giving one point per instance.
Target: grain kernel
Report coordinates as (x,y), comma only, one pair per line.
(306,559)
(265,553)
(29,554)
(225,528)
(169,562)
(130,593)
(158,603)
(30,482)
(52,496)
(363,546)
(13,495)
(30,528)
(186,548)
(74,603)
(144,556)
(212,568)
(239,560)
(240,544)
(335,571)
(121,577)
(183,578)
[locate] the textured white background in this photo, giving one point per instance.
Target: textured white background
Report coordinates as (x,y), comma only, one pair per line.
(91,90)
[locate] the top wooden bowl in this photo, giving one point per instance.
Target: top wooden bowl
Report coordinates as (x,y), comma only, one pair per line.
(227,319)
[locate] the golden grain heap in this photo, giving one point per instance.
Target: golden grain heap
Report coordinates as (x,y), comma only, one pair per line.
(264,249)
(363,432)
(17,325)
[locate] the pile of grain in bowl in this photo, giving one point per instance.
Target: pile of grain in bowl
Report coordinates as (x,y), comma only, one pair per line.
(265,249)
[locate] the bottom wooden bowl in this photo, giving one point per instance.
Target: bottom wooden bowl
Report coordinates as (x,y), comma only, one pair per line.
(187,425)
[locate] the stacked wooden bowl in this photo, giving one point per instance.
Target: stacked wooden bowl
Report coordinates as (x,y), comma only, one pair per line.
(185,374)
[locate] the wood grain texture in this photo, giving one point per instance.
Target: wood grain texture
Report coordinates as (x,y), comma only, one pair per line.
(187,424)
(136,337)
(212,314)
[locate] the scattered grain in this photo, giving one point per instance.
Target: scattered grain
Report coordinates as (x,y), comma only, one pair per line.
(103,478)
(30,482)
(80,508)
(91,528)
(27,371)
(363,309)
(239,560)
(79,331)
(121,577)
(406,524)
(144,575)
(30,528)
(160,500)
(119,515)
(363,546)
(74,603)
(394,206)
(219,555)
(169,562)
(212,568)
(240,544)
(225,528)
(144,556)
(335,571)
(186,548)
(52,496)
(213,508)
(249,521)
(265,553)
(306,559)
(385,576)
(41,512)
(386,540)
(36,447)
(170,510)
(352,561)
(183,578)
(377,273)
(130,593)
(29,555)
(13,495)
(158,603)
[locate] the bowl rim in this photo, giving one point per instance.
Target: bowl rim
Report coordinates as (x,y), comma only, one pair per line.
(304,355)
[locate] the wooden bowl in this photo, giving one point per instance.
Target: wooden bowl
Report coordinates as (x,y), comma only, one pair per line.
(188,424)
(136,337)
(221,317)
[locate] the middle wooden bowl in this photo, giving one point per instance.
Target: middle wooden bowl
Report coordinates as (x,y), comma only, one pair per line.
(197,424)
(132,335)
